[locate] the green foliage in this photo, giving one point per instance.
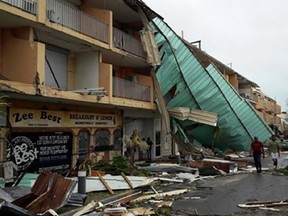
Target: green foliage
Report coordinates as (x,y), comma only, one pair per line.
(284,170)
(163,211)
(115,166)
(142,172)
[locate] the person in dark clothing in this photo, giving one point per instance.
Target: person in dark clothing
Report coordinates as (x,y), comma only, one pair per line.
(149,150)
(257,149)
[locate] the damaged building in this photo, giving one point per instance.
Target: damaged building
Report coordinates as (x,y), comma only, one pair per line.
(76,76)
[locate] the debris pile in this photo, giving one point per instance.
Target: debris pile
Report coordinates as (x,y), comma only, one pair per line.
(112,191)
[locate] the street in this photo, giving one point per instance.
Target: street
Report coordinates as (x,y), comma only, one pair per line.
(221,195)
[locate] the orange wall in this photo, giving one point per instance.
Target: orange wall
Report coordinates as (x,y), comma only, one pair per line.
(260,103)
(1,50)
(233,80)
(278,109)
(104,15)
(18,48)
(105,77)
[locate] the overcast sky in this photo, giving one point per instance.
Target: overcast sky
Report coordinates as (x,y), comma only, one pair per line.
(250,35)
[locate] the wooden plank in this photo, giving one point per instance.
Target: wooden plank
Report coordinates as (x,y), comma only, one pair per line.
(127,180)
(105,184)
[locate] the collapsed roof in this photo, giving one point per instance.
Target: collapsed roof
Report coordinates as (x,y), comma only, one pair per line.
(185,82)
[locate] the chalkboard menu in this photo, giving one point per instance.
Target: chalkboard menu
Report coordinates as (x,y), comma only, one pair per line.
(40,151)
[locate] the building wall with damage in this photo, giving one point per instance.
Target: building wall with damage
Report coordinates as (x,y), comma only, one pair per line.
(84,97)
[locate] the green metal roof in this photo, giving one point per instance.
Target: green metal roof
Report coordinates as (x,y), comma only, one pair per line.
(184,82)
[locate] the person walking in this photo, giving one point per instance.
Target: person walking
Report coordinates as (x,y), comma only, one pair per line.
(257,149)
(274,150)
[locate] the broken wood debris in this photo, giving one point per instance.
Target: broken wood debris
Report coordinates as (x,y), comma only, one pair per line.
(94,184)
(127,180)
(122,199)
(139,211)
(88,208)
(122,211)
(39,201)
(258,204)
(169,193)
(105,184)
(138,186)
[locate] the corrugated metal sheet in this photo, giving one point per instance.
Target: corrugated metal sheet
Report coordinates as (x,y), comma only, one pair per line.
(199,116)
(50,191)
(184,82)
(57,196)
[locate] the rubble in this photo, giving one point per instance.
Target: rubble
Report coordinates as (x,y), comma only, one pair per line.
(126,195)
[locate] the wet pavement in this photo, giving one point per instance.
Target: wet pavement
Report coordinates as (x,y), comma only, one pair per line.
(221,195)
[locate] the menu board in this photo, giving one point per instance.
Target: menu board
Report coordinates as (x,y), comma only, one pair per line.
(40,151)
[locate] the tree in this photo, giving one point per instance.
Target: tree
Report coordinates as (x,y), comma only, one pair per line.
(132,144)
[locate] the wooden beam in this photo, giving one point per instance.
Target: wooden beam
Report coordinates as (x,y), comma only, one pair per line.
(105,184)
(127,180)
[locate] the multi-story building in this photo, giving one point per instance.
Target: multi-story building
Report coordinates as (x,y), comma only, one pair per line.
(74,76)
(266,107)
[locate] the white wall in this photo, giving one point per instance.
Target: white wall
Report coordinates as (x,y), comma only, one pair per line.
(58,63)
(145,127)
(87,70)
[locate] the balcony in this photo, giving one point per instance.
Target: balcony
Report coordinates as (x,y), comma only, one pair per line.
(61,13)
(271,107)
(128,43)
(64,14)
(277,109)
(260,105)
(29,6)
(251,97)
(130,90)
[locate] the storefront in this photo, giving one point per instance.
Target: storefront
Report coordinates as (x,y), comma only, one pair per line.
(54,140)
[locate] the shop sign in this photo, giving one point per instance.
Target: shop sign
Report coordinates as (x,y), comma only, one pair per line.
(50,118)
(43,150)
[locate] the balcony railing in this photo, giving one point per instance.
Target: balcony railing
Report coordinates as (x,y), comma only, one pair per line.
(27,5)
(250,97)
(128,43)
(68,16)
(131,90)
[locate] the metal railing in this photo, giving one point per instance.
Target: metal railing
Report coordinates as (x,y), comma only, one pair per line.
(128,43)
(131,90)
(27,5)
(251,97)
(71,17)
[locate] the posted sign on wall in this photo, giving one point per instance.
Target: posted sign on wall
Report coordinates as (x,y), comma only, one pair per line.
(50,118)
(44,150)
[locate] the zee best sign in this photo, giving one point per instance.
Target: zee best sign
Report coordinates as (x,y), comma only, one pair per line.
(43,150)
(50,118)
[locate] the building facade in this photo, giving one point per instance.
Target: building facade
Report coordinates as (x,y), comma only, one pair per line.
(265,106)
(74,77)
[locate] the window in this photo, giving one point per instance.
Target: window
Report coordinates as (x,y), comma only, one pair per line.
(117,134)
(56,67)
(83,144)
(102,138)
